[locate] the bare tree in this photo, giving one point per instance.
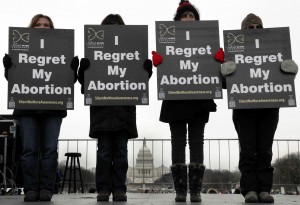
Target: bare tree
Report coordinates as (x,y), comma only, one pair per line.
(287,170)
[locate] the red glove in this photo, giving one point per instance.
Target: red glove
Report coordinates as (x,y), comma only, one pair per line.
(219,55)
(156,59)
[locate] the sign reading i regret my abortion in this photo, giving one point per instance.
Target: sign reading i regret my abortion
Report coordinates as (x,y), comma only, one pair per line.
(189,70)
(258,81)
(41,77)
(116,75)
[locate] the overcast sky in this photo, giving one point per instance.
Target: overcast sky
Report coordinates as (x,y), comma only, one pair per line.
(74,14)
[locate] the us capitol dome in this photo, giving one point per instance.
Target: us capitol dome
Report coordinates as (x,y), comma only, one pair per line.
(144,170)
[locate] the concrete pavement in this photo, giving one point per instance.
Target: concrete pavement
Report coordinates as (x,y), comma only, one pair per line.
(145,199)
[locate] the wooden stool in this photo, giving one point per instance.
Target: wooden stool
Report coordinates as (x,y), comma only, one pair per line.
(72,169)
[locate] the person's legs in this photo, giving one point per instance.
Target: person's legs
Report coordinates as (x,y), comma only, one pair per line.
(178,141)
(30,140)
(120,165)
(245,125)
(104,164)
(179,168)
(120,161)
(196,167)
(196,139)
(264,170)
(49,133)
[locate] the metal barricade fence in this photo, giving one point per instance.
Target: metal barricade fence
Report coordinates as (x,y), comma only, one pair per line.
(219,154)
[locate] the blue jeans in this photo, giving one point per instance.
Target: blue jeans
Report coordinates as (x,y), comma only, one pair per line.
(112,162)
(39,157)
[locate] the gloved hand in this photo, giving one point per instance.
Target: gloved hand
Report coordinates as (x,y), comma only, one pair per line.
(289,66)
(156,58)
(74,66)
(219,55)
(7,61)
(148,67)
(75,63)
(84,64)
(228,68)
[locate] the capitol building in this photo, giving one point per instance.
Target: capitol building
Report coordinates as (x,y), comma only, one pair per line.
(144,171)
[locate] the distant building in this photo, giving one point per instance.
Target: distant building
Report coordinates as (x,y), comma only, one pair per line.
(144,170)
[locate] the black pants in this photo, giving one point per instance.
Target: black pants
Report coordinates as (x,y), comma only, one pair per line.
(195,128)
(256,129)
(112,162)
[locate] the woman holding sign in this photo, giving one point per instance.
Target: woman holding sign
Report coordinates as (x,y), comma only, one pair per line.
(256,129)
(112,126)
(183,116)
(39,133)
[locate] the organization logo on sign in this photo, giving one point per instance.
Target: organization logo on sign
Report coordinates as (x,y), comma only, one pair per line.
(20,41)
(166,34)
(235,43)
(95,38)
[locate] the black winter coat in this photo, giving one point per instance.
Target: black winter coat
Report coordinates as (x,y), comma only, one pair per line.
(183,110)
(55,113)
(113,118)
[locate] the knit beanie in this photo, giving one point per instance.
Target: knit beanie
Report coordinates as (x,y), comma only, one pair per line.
(185,6)
(251,19)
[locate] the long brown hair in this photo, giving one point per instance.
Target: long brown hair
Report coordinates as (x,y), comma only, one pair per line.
(35,19)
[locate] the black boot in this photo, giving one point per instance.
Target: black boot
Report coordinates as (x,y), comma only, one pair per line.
(179,173)
(196,172)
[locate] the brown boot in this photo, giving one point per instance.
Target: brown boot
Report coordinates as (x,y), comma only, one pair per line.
(265,197)
(179,173)
(119,196)
(103,196)
(251,197)
(196,172)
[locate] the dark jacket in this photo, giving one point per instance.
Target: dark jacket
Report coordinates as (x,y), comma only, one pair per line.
(55,113)
(182,110)
(113,118)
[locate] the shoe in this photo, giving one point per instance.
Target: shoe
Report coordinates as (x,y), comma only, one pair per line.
(119,196)
(31,196)
(45,195)
(103,196)
(180,197)
(195,197)
(251,197)
(265,197)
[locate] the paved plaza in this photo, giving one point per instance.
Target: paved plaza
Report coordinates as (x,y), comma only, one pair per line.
(146,199)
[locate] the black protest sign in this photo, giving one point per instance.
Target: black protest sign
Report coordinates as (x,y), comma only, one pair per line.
(258,81)
(116,75)
(188,70)
(41,77)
